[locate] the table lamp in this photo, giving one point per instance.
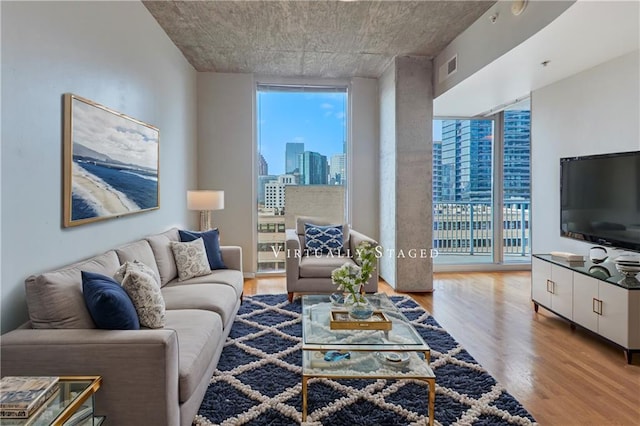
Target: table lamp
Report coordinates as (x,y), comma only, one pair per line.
(205,202)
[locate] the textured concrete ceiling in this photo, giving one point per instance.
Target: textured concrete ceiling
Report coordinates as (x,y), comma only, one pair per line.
(311,38)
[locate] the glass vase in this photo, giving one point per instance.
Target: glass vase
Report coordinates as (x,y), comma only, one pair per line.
(361,309)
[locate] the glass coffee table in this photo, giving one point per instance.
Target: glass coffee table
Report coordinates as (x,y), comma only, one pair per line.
(398,353)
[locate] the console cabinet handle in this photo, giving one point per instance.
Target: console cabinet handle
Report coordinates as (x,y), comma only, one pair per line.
(550,286)
(598,309)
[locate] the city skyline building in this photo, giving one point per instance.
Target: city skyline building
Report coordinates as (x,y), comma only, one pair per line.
(466,160)
(437,170)
(262,181)
(263,166)
(462,161)
(274,191)
(313,168)
(517,155)
(291,156)
(337,174)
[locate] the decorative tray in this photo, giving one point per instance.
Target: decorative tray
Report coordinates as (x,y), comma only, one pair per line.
(340,320)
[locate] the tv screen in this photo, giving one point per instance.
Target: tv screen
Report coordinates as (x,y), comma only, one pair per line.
(600,199)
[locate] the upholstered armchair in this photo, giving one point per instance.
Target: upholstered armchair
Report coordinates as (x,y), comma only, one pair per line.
(309,271)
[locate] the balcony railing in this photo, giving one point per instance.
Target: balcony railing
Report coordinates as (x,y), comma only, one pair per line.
(466,228)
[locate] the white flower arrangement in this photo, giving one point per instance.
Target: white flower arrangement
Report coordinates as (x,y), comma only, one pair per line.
(349,277)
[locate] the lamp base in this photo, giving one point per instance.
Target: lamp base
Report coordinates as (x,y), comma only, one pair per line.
(205,220)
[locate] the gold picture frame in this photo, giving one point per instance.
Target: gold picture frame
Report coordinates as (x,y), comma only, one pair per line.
(111,163)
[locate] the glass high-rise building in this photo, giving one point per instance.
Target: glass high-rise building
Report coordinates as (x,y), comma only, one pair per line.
(291,156)
(437,170)
(462,162)
(263,167)
(313,168)
(517,154)
(337,169)
(466,160)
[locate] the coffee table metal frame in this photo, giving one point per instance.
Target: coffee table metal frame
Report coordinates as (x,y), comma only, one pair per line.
(317,338)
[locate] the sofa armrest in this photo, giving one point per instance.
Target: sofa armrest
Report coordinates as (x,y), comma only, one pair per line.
(139,367)
(232,257)
(356,238)
(293,254)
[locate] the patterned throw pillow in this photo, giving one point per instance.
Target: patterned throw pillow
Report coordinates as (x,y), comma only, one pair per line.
(211,239)
(191,259)
(138,281)
(323,239)
(131,266)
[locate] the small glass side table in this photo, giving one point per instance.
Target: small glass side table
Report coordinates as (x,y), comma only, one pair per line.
(72,405)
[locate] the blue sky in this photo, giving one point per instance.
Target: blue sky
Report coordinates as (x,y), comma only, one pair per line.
(317,119)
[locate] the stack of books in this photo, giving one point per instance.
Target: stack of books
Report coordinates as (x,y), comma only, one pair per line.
(21,396)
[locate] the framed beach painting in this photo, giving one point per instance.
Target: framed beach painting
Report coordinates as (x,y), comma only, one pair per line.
(110,163)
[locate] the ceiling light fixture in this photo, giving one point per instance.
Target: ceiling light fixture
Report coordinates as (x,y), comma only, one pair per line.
(518,6)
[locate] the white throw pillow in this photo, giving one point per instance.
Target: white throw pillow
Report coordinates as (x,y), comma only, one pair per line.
(139,281)
(191,259)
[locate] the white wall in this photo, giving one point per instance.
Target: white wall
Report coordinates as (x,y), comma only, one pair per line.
(113,53)
(484,41)
(594,112)
(364,174)
(387,88)
(227,153)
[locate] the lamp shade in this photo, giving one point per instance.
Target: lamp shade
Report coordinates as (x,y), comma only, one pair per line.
(205,200)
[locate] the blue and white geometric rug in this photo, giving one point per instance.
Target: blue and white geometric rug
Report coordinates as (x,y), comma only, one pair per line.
(258,379)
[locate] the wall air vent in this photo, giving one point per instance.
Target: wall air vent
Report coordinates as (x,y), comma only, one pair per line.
(448,68)
(452,65)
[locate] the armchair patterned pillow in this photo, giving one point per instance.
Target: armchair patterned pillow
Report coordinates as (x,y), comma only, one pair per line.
(323,239)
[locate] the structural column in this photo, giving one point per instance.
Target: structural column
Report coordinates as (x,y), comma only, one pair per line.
(406,116)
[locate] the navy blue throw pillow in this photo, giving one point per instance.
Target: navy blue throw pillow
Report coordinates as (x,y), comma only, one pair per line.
(323,239)
(211,240)
(108,303)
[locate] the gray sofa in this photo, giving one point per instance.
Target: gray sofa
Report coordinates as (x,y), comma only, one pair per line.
(150,377)
(311,272)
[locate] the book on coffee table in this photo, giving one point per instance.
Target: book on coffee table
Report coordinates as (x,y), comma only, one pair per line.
(21,396)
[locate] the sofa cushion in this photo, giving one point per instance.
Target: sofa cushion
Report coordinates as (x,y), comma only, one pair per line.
(163,254)
(211,240)
(108,303)
(191,259)
(140,251)
(55,300)
(199,334)
(320,266)
(229,277)
(218,298)
(137,280)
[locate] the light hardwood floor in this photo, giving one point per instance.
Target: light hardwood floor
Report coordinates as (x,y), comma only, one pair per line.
(562,377)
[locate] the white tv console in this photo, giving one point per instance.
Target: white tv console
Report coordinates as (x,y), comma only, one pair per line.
(582,293)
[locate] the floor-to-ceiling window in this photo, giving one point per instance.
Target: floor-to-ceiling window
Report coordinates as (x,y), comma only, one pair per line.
(302,162)
(462,190)
(471,159)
